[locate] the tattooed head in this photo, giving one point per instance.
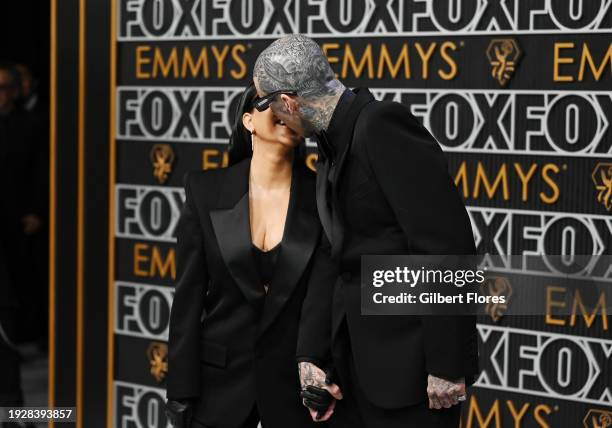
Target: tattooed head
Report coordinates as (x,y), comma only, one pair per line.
(296,63)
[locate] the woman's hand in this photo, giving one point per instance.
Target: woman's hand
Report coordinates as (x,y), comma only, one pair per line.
(179,413)
(319,401)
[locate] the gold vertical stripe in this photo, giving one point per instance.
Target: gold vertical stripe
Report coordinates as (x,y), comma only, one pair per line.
(80,216)
(52,198)
(111,218)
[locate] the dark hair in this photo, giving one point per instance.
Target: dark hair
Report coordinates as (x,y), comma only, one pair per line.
(240,141)
(240,146)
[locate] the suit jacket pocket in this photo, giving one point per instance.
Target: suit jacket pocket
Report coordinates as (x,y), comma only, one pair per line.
(213,354)
(357,181)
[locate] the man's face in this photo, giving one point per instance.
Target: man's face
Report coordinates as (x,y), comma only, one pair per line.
(8,91)
(293,118)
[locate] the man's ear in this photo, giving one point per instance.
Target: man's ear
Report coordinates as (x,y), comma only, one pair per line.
(247,121)
(291,105)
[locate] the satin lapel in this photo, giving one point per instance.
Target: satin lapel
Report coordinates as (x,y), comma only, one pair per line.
(364,96)
(233,231)
(299,241)
(323,206)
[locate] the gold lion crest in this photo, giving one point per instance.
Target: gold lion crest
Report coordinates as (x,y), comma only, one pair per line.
(503,55)
(162,158)
(598,419)
(602,177)
(157,352)
(497,286)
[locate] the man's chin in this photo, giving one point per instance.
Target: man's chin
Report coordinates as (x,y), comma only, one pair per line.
(306,132)
(299,133)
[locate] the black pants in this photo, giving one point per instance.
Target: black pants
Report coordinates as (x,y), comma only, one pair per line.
(356,411)
(10,386)
(251,422)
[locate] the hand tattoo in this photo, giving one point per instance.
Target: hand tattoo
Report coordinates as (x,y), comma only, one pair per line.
(311,375)
(444,393)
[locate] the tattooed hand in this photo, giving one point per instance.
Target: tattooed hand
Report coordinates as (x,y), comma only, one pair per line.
(444,393)
(313,376)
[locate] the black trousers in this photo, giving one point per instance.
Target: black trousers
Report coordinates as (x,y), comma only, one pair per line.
(10,386)
(251,422)
(356,411)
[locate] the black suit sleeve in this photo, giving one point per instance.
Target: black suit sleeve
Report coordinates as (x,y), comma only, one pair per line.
(412,173)
(191,284)
(314,336)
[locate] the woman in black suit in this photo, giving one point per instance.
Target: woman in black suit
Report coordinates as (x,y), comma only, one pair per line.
(254,277)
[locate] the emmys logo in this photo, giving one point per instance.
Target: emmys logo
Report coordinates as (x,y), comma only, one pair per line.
(598,419)
(158,357)
(602,177)
(503,56)
(162,157)
(497,286)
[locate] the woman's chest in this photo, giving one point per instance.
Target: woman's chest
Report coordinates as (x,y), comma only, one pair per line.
(267,216)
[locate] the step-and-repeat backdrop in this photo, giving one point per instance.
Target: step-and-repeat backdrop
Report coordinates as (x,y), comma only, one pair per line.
(518,94)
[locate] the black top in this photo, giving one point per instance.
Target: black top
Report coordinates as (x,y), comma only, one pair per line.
(266,263)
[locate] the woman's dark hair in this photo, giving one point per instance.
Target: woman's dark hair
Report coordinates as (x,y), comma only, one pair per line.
(240,140)
(240,146)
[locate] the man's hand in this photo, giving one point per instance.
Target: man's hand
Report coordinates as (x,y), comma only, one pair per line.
(444,393)
(311,379)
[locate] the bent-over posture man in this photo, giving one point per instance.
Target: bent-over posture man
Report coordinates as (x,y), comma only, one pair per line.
(383,187)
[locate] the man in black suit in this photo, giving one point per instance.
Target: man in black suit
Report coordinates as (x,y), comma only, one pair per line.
(382,188)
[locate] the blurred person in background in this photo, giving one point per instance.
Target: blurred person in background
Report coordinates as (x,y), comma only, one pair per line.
(19,173)
(34,243)
(29,98)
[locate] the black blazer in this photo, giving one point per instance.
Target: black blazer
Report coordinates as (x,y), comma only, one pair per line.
(20,194)
(390,193)
(231,345)
(21,165)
